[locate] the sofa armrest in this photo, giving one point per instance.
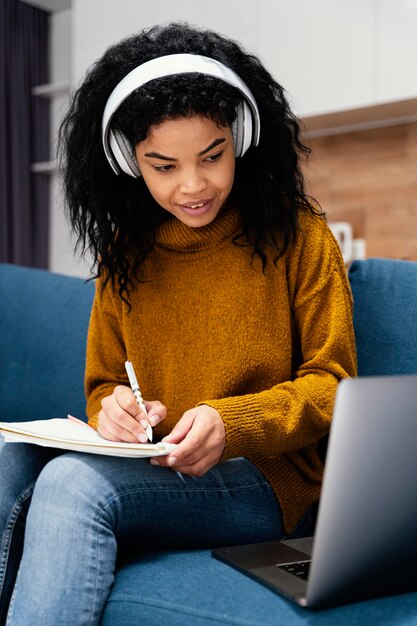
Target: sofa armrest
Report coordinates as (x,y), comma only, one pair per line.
(385,316)
(43,329)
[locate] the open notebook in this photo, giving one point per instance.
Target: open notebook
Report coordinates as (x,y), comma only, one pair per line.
(73,434)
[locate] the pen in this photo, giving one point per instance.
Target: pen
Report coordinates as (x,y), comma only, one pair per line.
(136,390)
(78,421)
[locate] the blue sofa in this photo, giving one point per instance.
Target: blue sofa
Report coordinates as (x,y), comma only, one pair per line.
(43,327)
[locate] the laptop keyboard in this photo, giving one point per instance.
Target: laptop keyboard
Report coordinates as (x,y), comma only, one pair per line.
(300,569)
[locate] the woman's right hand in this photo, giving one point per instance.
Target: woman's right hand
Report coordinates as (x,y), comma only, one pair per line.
(121,418)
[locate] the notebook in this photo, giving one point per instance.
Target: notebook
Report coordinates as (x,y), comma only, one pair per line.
(365,543)
(74,434)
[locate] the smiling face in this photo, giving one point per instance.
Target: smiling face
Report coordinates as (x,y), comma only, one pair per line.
(188,165)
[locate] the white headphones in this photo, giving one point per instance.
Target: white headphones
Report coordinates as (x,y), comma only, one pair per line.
(245,128)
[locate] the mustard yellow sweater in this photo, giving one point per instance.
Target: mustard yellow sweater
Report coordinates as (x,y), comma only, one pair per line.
(265,349)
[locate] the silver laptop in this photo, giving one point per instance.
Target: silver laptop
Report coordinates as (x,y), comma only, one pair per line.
(365,543)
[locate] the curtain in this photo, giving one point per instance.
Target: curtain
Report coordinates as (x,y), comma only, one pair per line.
(24,135)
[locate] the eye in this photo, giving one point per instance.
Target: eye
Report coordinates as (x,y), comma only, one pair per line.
(214,157)
(163,169)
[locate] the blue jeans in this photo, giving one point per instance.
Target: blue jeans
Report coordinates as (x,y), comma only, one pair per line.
(86,511)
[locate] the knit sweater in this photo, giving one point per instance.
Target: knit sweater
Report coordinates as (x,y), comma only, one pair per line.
(265,349)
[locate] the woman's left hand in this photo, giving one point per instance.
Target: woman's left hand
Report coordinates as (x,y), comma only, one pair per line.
(201,436)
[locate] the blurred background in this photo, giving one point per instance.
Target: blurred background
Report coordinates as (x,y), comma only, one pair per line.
(348,67)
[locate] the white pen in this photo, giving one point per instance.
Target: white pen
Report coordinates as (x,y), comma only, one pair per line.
(136,390)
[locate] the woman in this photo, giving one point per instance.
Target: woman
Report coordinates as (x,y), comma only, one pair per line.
(222,283)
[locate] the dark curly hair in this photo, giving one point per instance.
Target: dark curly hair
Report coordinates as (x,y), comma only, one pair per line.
(115,217)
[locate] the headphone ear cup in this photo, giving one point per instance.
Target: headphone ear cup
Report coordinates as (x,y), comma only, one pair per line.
(123,154)
(242,129)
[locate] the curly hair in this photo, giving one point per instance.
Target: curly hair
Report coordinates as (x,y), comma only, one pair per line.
(114,217)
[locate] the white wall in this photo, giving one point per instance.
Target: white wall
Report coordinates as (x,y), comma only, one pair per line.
(321,51)
(100,23)
(330,55)
(396,48)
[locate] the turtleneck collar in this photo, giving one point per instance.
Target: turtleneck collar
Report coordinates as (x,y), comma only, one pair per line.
(176,236)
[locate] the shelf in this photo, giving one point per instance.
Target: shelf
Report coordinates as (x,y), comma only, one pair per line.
(50,90)
(365,118)
(44,167)
(50,5)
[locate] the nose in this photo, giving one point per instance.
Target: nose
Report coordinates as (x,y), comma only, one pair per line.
(192,181)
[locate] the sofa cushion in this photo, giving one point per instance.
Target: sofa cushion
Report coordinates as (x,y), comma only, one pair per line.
(191,588)
(385,316)
(43,329)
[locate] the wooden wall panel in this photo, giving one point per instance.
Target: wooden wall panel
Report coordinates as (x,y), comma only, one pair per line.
(369,179)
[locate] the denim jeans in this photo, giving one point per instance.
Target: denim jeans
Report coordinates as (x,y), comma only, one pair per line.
(86,511)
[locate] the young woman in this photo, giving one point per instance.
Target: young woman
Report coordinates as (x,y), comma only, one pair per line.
(222,283)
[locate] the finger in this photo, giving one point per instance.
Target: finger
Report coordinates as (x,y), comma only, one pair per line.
(196,463)
(201,448)
(156,411)
(189,451)
(125,398)
(113,432)
(197,441)
(121,424)
(105,432)
(116,432)
(185,455)
(181,428)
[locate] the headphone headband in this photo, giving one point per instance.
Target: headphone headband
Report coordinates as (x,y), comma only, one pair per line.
(167,66)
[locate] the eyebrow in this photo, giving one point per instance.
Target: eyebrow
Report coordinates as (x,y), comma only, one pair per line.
(214,144)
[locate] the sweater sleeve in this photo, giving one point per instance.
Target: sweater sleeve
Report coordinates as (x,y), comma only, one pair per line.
(297,413)
(106,352)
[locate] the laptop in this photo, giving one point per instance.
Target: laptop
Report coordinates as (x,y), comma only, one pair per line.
(365,543)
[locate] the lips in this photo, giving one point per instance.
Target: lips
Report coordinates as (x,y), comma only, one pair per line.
(196,207)
(195,204)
